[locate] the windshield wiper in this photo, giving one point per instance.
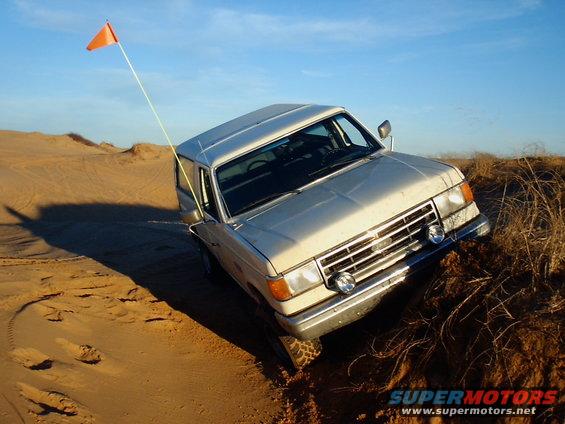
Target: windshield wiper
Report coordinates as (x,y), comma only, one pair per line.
(267,198)
(338,163)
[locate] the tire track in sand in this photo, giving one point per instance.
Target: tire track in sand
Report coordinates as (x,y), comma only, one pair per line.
(9,402)
(12,320)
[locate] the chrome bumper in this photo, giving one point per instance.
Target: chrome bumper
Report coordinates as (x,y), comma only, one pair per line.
(343,309)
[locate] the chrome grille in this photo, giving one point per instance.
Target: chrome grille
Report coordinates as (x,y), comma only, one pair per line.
(381,246)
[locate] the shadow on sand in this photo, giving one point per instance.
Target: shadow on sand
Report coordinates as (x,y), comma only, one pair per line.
(152,247)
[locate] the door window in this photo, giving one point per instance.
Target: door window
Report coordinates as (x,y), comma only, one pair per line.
(207,195)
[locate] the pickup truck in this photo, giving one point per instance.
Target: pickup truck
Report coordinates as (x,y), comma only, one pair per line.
(309,212)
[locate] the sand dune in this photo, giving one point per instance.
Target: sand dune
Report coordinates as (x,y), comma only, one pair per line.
(106,316)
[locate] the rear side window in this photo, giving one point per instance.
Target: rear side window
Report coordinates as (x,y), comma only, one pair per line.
(188,167)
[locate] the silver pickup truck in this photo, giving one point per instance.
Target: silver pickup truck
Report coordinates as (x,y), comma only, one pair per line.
(315,218)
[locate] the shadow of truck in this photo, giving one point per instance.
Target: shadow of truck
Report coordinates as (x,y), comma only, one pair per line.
(149,245)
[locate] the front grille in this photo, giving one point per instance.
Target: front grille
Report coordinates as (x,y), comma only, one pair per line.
(381,246)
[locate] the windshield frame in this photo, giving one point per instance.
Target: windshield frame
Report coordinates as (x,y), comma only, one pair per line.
(222,206)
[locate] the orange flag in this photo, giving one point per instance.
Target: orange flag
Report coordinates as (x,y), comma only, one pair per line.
(106,37)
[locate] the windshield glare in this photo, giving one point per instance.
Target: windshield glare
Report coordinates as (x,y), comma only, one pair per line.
(292,162)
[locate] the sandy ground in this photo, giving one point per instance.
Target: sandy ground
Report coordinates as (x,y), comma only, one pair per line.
(104,315)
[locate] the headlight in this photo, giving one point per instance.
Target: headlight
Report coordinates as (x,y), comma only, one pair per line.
(296,281)
(453,199)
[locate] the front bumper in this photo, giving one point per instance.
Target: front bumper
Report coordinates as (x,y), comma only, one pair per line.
(343,309)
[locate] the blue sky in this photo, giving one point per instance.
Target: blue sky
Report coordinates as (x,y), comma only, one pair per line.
(451,76)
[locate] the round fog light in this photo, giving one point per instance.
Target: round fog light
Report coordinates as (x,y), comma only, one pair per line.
(435,233)
(343,282)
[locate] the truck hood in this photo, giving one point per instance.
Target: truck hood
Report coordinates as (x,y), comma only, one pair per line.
(327,214)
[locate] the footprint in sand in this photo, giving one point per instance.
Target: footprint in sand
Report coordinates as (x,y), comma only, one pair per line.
(45,402)
(133,295)
(53,311)
(31,358)
(83,353)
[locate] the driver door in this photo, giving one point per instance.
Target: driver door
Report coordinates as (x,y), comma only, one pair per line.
(209,230)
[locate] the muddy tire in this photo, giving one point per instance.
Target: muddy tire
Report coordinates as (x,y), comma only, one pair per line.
(301,352)
(292,352)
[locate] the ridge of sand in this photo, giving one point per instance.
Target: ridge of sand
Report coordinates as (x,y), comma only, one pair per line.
(147,151)
(109,147)
(104,312)
(38,170)
(40,141)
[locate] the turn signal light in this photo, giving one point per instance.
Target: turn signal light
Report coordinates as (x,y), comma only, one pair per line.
(279,288)
(467,192)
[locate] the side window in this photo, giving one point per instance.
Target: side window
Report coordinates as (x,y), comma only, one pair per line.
(351,133)
(318,129)
(188,167)
(207,194)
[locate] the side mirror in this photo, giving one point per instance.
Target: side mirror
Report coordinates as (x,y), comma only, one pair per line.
(384,129)
(191,216)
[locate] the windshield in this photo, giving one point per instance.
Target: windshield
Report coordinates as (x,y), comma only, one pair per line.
(285,165)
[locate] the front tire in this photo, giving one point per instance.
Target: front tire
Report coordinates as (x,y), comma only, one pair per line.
(291,351)
(301,352)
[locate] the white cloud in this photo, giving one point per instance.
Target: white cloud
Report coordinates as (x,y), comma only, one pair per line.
(502,44)
(38,15)
(179,23)
(258,28)
(109,105)
(413,19)
(530,4)
(316,74)
(403,57)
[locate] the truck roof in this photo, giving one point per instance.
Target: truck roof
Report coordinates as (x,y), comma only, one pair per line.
(251,130)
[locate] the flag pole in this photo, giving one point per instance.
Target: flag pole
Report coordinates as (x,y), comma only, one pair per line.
(162,128)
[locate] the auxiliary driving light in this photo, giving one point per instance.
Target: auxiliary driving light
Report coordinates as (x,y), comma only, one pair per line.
(343,282)
(435,233)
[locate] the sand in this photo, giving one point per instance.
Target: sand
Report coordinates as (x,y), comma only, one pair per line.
(104,313)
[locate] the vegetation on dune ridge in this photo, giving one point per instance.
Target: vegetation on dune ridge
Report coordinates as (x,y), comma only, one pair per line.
(491,316)
(147,151)
(82,140)
(138,150)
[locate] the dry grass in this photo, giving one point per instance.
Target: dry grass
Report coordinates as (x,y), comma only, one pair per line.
(492,316)
(80,139)
(481,166)
(526,199)
(532,223)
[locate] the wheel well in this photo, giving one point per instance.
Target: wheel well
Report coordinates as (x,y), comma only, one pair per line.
(257,296)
